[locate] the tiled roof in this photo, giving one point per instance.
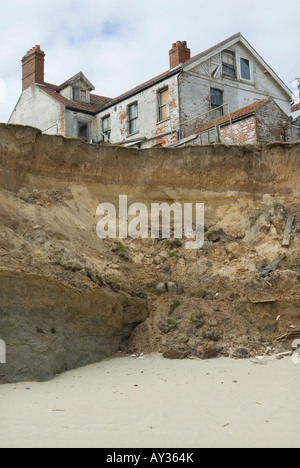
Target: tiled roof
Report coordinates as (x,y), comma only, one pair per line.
(65,83)
(296,107)
(97,102)
(146,84)
(211,49)
(171,72)
(238,114)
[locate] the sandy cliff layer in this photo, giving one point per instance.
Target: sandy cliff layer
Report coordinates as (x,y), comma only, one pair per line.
(68,298)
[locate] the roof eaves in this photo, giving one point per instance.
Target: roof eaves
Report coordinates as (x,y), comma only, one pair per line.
(142,87)
(230,40)
(235,116)
(75,78)
(267,67)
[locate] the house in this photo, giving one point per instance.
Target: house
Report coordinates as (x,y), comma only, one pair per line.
(295,120)
(162,111)
(261,122)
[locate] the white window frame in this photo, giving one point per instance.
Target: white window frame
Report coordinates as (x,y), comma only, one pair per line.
(130,120)
(250,69)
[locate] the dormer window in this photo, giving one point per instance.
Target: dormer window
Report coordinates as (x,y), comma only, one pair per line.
(79,95)
(75,94)
(83,94)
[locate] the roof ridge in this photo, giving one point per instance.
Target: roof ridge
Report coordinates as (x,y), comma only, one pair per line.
(210,49)
(173,70)
(92,107)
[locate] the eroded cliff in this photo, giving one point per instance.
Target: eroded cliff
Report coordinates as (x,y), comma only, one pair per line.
(68,298)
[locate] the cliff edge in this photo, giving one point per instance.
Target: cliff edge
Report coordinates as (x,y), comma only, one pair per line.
(68,298)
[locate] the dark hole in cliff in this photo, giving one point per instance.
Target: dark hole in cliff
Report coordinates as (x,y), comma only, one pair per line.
(53,331)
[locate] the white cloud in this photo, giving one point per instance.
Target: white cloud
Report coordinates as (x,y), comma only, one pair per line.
(119,45)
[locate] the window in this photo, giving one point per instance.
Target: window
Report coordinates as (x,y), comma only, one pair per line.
(163,102)
(83,95)
(133,118)
(216,100)
(106,128)
(83,131)
(228,63)
(79,95)
(245,69)
(75,93)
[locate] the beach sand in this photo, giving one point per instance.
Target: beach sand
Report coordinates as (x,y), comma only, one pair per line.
(127,402)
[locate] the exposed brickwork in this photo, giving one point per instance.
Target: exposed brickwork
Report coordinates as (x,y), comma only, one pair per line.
(240,133)
(33,67)
(295,107)
(272,124)
(179,54)
(263,121)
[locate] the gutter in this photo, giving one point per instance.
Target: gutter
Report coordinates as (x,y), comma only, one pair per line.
(179,104)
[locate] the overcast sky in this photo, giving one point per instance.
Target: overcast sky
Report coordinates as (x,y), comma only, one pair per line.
(119,44)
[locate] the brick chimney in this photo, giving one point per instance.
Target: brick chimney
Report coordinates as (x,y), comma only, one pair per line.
(33,67)
(179,54)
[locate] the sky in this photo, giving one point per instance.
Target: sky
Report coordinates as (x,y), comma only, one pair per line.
(120,44)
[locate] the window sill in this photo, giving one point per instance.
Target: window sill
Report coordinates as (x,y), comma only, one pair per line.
(230,78)
(131,134)
(162,121)
(244,80)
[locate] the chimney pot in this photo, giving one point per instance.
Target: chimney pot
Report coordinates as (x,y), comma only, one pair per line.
(179,54)
(33,67)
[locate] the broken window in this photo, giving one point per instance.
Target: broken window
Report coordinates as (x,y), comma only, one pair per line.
(163,102)
(83,131)
(106,128)
(228,63)
(133,118)
(216,101)
(245,69)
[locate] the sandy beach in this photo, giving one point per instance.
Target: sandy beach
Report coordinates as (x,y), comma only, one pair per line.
(148,401)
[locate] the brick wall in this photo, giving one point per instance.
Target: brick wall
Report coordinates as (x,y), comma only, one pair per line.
(240,133)
(33,64)
(272,123)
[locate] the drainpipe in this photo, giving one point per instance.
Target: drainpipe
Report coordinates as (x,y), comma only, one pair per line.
(179,105)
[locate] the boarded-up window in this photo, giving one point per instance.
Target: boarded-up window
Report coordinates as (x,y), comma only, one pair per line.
(82,95)
(133,118)
(228,63)
(163,101)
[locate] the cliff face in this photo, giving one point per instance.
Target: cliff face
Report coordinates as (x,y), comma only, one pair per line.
(68,298)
